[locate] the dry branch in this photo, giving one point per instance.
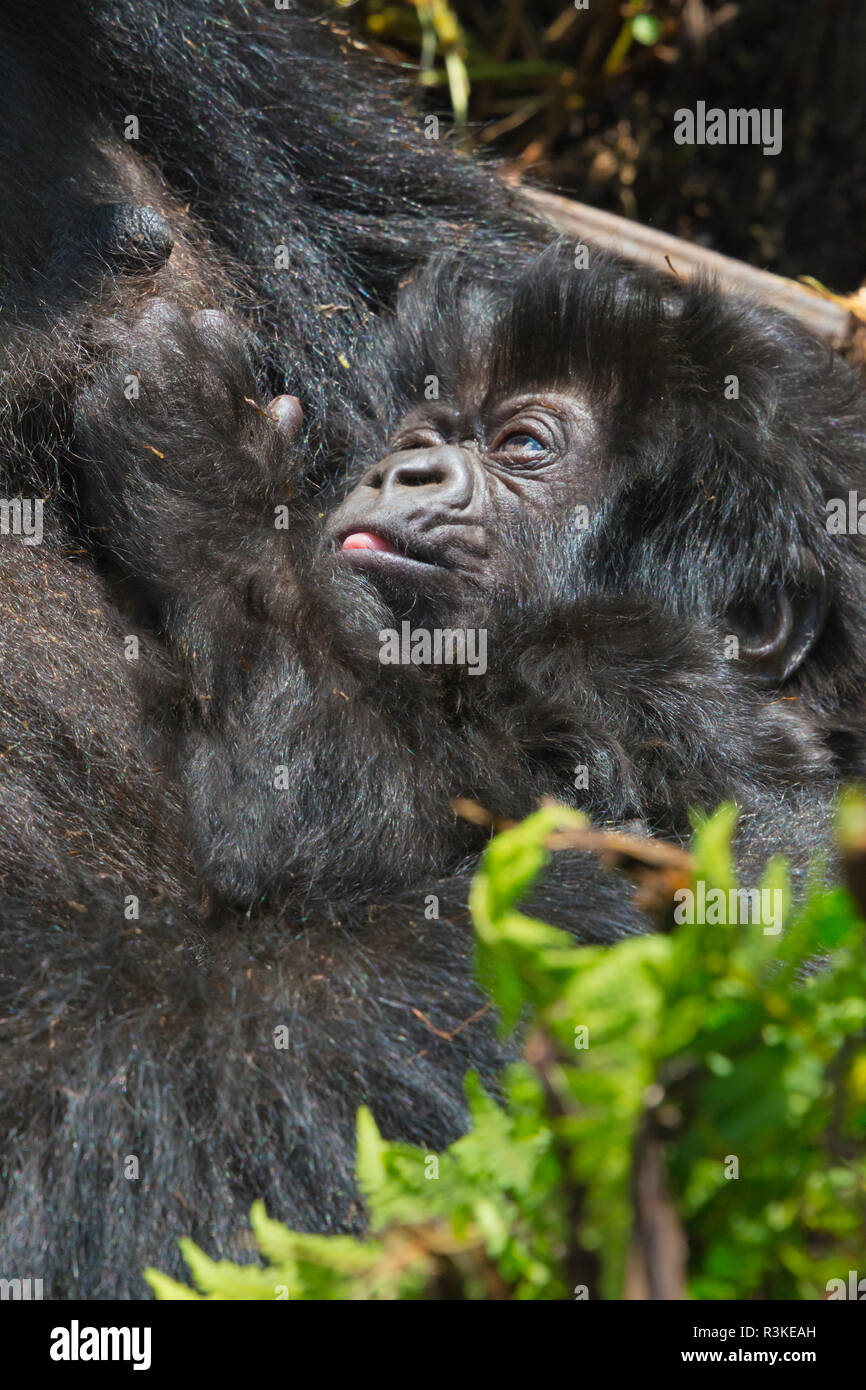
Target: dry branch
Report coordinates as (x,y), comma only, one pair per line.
(660,250)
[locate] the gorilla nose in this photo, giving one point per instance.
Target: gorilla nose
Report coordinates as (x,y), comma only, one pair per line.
(446,470)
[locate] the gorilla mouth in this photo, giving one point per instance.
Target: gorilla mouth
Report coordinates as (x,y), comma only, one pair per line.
(367,540)
(374,550)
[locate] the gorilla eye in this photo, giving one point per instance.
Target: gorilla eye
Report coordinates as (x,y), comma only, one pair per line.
(524,441)
(520,446)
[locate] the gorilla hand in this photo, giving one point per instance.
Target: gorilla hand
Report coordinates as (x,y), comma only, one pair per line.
(183,474)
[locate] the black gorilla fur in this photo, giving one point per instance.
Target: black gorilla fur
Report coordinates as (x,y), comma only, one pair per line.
(153,1036)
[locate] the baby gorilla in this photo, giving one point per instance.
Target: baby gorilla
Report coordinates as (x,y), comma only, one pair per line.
(308,760)
(316,874)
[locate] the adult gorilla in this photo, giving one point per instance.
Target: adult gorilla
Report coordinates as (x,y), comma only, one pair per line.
(251,159)
(220,812)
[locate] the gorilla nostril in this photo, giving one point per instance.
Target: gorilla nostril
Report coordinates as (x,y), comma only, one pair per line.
(446,471)
(373,478)
(423,475)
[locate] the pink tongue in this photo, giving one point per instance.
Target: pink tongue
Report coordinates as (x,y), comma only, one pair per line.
(365,540)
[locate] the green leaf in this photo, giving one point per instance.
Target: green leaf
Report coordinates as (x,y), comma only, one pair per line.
(646,29)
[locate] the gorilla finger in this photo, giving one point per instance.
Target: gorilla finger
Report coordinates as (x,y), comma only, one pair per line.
(219,331)
(288,416)
(131,238)
(162,317)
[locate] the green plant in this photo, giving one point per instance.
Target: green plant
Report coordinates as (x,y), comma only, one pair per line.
(689,1117)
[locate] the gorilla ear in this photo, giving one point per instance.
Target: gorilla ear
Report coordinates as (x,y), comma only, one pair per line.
(777,631)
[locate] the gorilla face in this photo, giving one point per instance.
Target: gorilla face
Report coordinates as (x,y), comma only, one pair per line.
(582,442)
(438,516)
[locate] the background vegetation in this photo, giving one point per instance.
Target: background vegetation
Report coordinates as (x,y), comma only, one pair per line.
(583,100)
(688,1120)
